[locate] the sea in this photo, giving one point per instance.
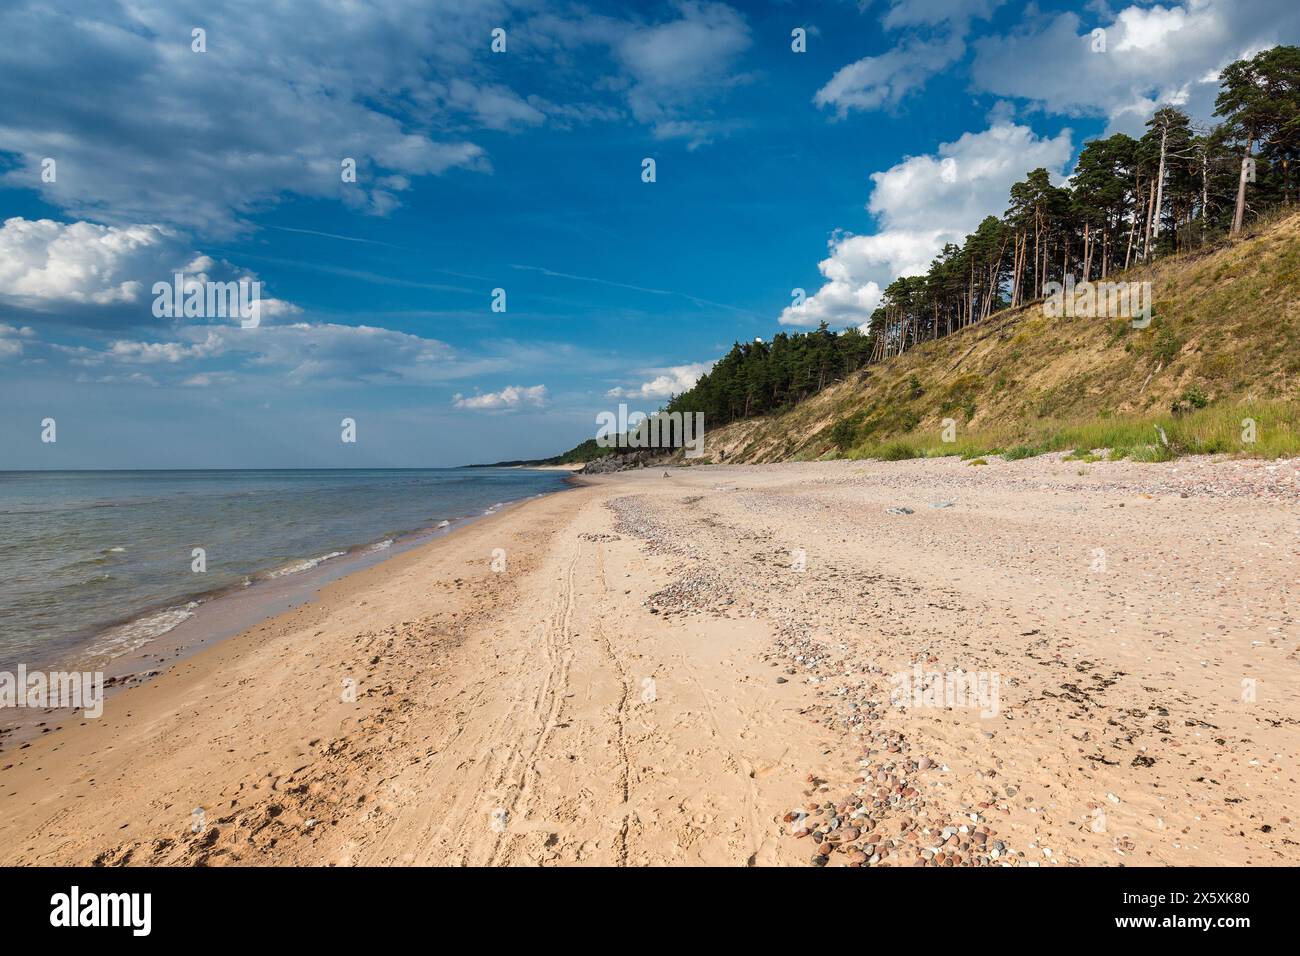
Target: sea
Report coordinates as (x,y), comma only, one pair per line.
(105,562)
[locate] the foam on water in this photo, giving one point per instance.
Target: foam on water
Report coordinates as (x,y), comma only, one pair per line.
(133,635)
(307,565)
(107,560)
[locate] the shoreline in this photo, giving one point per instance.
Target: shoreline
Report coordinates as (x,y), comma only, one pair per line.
(215,615)
(73,747)
(651,681)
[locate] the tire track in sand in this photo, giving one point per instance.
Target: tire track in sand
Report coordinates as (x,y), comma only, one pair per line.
(558,650)
(620,718)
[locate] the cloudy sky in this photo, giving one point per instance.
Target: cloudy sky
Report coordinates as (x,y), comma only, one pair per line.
(127,155)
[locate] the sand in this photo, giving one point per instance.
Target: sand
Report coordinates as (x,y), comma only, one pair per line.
(651,679)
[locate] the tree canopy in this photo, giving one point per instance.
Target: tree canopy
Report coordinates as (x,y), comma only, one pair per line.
(1128,201)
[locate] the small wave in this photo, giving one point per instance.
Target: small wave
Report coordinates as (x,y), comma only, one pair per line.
(304,565)
(379,546)
(444,524)
(133,635)
(106,556)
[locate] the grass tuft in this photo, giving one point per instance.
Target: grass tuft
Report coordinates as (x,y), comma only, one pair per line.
(1267,430)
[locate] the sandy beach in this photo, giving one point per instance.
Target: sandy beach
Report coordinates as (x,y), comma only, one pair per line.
(705,669)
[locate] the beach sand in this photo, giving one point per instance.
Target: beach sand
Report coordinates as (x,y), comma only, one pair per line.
(650,679)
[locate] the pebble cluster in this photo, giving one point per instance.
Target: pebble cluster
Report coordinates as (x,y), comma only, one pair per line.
(695,591)
(882,818)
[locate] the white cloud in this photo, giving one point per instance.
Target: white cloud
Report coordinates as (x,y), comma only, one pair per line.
(494,106)
(292,354)
(1154,55)
(11,339)
(510,397)
(965,180)
(208,379)
(310,351)
(664,382)
(884,80)
(149,353)
(1148,29)
(45,265)
(42,261)
(847,297)
(920,204)
(672,64)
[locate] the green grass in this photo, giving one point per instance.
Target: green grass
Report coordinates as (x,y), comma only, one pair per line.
(1022,451)
(1214,429)
(897,451)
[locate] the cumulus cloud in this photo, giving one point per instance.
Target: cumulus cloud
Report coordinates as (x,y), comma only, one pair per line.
(1164,54)
(150,353)
(920,204)
(11,339)
(884,80)
(511,397)
(43,261)
(664,382)
(935,42)
(47,265)
(847,297)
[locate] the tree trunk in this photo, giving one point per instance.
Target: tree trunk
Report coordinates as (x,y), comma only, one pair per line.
(1239,214)
(1160,180)
(1087,251)
(1132,220)
(1151,205)
(1205,192)
(1038,277)
(1017,265)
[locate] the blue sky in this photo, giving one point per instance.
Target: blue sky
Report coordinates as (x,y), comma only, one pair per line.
(833,170)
